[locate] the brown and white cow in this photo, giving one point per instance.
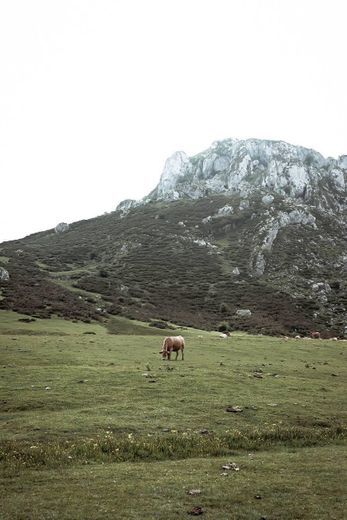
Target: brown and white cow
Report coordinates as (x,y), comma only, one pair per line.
(172,344)
(315,335)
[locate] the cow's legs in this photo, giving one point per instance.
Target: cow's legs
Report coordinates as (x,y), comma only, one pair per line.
(177,351)
(182,355)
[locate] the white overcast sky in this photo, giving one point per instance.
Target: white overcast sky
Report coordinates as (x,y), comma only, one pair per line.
(96,94)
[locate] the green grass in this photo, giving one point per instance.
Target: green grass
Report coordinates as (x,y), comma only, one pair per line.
(81,407)
(303,484)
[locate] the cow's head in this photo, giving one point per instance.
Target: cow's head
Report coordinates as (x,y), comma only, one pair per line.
(163,353)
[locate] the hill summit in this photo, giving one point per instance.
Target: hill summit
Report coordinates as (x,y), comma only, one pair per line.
(245,167)
(246,235)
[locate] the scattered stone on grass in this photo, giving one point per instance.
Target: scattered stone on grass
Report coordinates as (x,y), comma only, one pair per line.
(258,375)
(197,510)
(258,497)
(194,492)
(83,381)
(47,388)
(234,409)
(335,375)
(231,466)
(204,432)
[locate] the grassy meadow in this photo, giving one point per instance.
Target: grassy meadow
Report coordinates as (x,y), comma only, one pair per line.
(96,425)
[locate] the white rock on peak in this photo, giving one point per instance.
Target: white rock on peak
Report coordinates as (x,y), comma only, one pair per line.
(342,162)
(246,166)
(243,167)
(176,167)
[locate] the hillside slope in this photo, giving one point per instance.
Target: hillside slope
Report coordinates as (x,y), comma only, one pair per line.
(263,257)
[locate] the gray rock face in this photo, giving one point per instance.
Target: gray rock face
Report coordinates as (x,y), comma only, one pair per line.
(244,167)
(176,167)
(342,162)
(4,275)
(61,227)
(125,205)
(221,164)
(270,231)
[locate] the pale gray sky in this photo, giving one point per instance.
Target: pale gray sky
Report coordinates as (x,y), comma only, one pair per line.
(96,94)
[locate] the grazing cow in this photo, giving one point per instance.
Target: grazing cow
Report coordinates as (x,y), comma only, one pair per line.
(172,344)
(315,335)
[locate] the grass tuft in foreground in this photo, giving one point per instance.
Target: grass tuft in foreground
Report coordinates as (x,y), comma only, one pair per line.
(171,446)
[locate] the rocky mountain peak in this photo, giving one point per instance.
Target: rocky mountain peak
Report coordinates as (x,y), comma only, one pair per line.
(243,167)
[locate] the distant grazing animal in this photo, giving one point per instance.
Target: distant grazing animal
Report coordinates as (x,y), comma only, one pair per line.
(315,335)
(298,337)
(172,344)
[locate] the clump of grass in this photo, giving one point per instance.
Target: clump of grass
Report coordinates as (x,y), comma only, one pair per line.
(170,446)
